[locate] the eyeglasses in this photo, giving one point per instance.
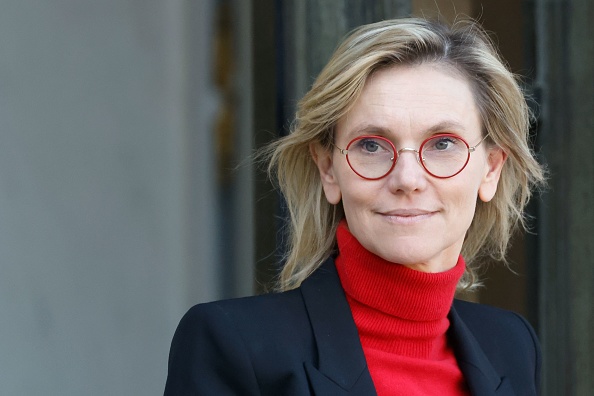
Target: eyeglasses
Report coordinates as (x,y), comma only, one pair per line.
(442,156)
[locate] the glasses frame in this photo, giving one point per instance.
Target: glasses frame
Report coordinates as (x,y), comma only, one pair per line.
(420,160)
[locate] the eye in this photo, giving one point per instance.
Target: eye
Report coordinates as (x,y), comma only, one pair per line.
(441,143)
(371,145)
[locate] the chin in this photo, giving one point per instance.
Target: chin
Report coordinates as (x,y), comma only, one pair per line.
(404,259)
(407,250)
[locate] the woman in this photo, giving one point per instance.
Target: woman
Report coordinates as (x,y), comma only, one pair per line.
(407,162)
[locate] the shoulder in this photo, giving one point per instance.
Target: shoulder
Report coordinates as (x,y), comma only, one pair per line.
(265,313)
(240,345)
(487,322)
(257,345)
(505,337)
(284,310)
(261,321)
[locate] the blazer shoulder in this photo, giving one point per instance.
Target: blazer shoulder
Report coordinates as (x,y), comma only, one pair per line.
(272,313)
(493,321)
(506,337)
(208,356)
(238,308)
(239,345)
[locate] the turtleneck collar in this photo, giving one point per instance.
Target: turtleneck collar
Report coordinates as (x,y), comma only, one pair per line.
(394,289)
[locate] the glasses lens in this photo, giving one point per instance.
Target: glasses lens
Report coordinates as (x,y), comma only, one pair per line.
(370,157)
(444,156)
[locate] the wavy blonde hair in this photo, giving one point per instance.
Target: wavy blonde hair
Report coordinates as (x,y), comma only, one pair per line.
(463,47)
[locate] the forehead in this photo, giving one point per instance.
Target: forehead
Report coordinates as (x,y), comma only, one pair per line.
(413,101)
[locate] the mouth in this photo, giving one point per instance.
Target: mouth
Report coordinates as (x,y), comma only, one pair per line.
(408,216)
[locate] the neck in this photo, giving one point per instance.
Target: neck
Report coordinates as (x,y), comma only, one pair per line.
(401,318)
(393,288)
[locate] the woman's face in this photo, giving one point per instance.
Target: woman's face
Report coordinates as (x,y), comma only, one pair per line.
(410,217)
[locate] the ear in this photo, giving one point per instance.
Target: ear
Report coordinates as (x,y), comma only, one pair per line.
(324,160)
(495,159)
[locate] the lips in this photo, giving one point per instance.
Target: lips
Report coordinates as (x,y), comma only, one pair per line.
(408,212)
(407,216)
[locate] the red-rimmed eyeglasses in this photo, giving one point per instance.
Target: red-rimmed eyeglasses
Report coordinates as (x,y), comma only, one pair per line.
(442,156)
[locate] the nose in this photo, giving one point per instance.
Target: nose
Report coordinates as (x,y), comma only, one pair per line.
(408,174)
(404,149)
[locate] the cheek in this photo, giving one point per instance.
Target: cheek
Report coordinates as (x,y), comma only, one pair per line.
(356,198)
(352,202)
(464,201)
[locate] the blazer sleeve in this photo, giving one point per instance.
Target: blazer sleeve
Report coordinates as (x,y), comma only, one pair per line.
(507,345)
(537,353)
(208,356)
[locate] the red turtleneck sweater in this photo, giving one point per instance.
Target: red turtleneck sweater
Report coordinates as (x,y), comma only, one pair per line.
(401,316)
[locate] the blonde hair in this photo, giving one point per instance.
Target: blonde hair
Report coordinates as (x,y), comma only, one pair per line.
(463,47)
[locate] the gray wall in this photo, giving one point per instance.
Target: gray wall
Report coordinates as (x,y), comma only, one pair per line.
(106,196)
(566,231)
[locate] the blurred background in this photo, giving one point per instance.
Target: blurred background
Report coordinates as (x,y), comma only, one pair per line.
(127,194)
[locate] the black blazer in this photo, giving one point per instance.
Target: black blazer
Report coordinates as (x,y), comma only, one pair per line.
(305,342)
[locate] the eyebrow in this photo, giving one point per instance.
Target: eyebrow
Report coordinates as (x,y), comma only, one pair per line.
(368,129)
(371,129)
(448,124)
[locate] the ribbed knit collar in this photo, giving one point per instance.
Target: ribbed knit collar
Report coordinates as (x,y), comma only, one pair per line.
(394,289)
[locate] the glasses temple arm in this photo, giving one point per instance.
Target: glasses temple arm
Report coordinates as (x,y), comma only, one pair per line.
(471,149)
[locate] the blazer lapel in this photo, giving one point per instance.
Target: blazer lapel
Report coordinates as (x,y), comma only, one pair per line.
(481,377)
(342,369)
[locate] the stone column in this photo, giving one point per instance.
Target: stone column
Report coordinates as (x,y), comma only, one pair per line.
(565,61)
